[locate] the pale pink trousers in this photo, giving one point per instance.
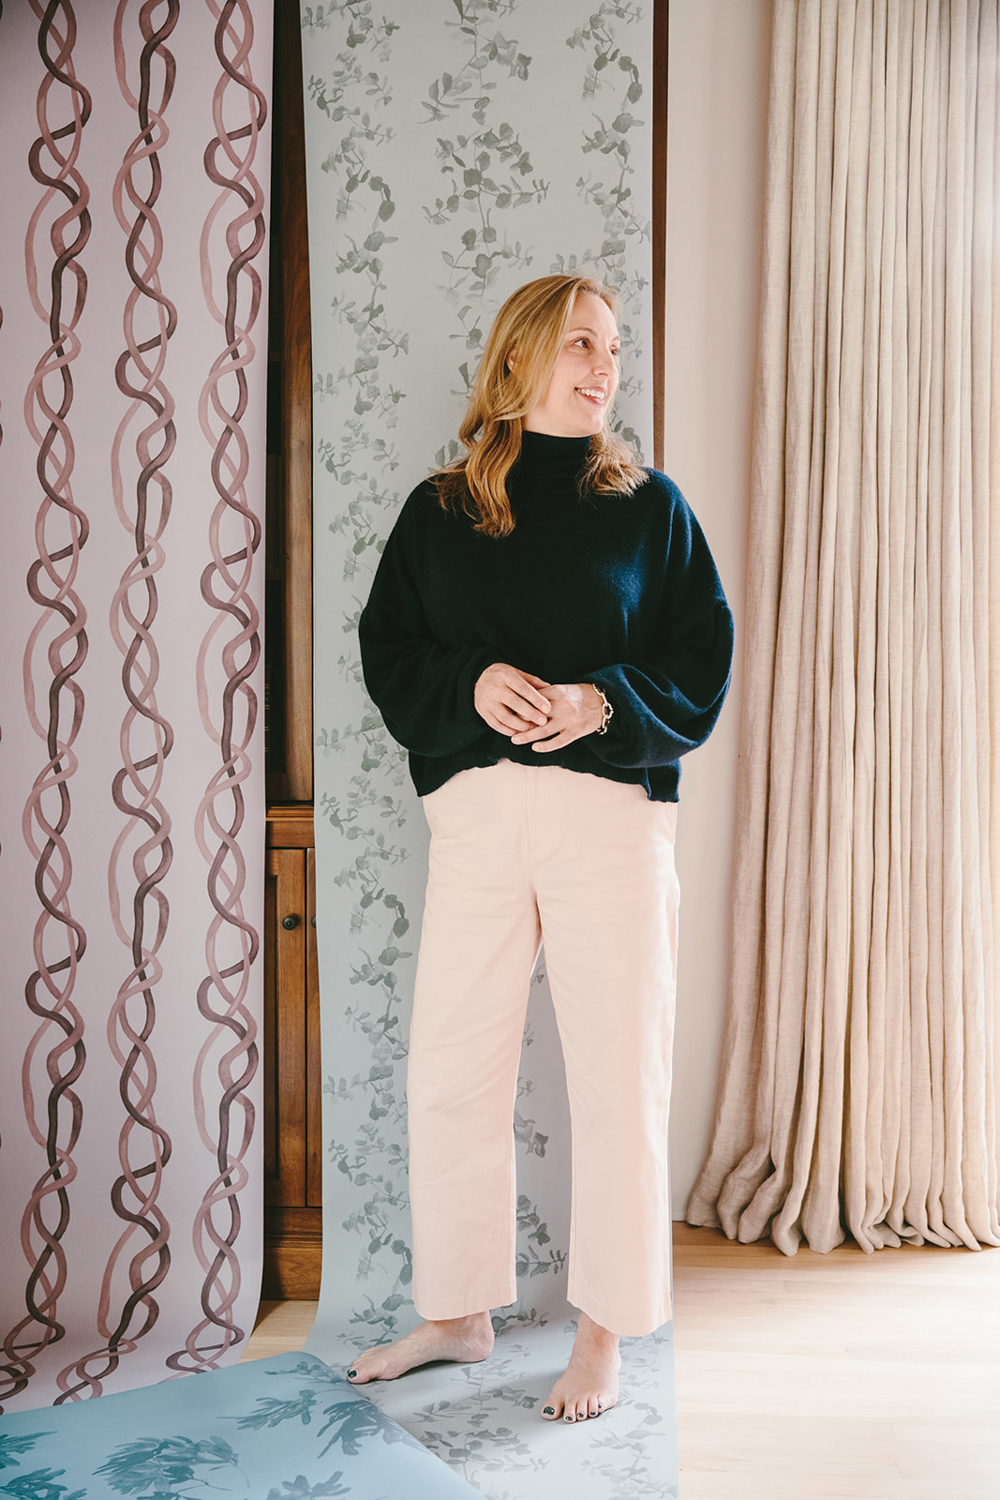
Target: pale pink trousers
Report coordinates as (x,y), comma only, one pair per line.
(521,854)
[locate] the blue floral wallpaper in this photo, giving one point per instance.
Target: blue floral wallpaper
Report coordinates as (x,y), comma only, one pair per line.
(285,1428)
(455,150)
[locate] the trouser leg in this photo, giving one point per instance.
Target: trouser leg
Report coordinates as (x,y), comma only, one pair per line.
(608,899)
(479,942)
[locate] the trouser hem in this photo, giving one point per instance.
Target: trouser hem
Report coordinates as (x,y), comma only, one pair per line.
(634,1324)
(436,1311)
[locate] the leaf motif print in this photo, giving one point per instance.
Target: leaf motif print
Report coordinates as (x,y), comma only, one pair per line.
(355,1422)
(352,94)
(633,1468)
(521,1317)
(349,96)
(273,1411)
(299,1488)
(531,1258)
(526,1134)
(10,1445)
(39,1484)
(433,207)
(486,166)
(600,38)
(161,1465)
(470,1434)
(612,73)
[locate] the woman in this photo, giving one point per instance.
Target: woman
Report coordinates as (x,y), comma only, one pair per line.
(547,635)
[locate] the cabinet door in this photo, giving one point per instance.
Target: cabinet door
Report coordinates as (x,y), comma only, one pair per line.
(314,1076)
(293,1151)
(287,937)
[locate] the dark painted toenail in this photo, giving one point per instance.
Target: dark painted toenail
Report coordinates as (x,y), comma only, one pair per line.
(548,1411)
(569,1419)
(351,1374)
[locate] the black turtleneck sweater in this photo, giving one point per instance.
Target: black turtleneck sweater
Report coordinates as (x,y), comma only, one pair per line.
(618,590)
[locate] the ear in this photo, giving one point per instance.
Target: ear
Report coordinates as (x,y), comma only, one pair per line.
(510,362)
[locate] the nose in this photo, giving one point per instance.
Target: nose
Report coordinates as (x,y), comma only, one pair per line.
(603,362)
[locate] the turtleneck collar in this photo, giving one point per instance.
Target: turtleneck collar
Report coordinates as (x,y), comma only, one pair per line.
(540,452)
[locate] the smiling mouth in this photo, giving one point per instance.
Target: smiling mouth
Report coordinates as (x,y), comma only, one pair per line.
(590,393)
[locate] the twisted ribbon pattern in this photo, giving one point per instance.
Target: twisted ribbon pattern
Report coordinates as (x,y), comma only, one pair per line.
(55,652)
(146,737)
(232,943)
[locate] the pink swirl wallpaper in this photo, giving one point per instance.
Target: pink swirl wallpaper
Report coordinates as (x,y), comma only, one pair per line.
(132,391)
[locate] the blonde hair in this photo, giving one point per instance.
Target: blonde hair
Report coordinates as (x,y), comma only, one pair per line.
(531,325)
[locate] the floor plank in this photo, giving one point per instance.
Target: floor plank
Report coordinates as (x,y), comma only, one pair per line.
(281,1328)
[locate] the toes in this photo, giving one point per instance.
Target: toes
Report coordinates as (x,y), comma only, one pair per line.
(577,1408)
(365,1368)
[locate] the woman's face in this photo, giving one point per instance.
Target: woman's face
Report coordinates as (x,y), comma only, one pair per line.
(585,375)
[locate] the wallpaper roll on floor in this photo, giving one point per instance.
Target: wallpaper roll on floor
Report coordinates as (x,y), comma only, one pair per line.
(131,469)
(284,1428)
(454,151)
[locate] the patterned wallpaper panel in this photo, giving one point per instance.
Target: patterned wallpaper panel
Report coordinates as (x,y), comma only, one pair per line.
(454,152)
(455,149)
(131,470)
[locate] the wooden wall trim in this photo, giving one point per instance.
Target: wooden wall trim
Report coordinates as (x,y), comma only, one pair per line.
(290,827)
(296,361)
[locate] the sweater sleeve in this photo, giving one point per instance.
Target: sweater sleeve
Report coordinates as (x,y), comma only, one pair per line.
(667,703)
(423,689)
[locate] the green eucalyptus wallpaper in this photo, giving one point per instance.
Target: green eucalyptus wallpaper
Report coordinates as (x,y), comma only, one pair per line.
(455,149)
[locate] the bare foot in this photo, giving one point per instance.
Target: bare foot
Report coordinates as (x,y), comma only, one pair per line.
(590,1384)
(465,1340)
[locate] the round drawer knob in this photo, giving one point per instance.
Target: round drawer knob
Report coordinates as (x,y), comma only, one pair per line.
(290,923)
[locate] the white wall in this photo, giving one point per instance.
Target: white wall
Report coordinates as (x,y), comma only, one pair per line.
(719,63)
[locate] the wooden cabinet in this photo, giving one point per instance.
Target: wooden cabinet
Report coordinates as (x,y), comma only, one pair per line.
(292,1135)
(293,1141)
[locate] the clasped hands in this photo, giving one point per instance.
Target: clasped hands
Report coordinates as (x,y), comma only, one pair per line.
(530,711)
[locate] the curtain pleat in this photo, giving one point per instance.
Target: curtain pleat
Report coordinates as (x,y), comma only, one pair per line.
(857,1090)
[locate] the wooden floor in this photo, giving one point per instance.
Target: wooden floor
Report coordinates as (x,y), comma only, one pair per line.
(875,1377)
(843,1375)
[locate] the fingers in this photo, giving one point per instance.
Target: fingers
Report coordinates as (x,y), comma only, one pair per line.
(558,742)
(528,733)
(528,695)
(507,719)
(509,701)
(519,692)
(565,724)
(551,736)
(510,722)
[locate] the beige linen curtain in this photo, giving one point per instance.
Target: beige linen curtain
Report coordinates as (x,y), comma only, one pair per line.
(858,1082)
